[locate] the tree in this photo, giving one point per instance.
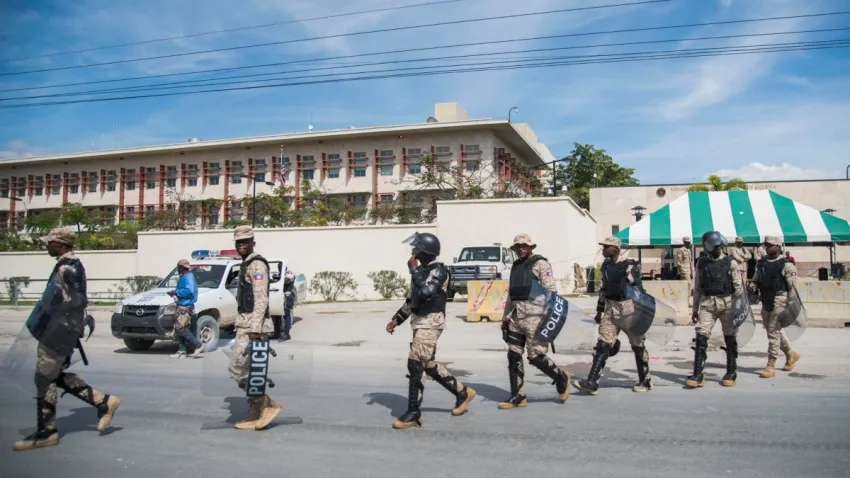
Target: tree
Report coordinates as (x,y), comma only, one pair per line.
(73,214)
(590,167)
(717,184)
(43,223)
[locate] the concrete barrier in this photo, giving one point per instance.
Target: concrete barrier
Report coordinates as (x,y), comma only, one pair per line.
(827,303)
(486,300)
(673,293)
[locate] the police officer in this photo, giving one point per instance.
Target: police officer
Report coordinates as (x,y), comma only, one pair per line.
(426,308)
(289,302)
(741,255)
(685,265)
(774,277)
(521,320)
(718,277)
(60,328)
(613,310)
(252,323)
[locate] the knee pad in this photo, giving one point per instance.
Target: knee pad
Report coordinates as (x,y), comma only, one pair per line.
(514,357)
(42,383)
(516,338)
(541,361)
(415,367)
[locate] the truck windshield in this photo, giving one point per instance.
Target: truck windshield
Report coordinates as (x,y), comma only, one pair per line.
(490,254)
(207,276)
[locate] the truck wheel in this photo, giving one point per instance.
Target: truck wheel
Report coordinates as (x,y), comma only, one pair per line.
(208,331)
(138,345)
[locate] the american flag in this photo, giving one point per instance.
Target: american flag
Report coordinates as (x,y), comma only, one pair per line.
(282,169)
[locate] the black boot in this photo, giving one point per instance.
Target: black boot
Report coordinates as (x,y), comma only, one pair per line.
(591,384)
(559,378)
(413,416)
(516,372)
(731,365)
(642,362)
(276,322)
(700,355)
(462,397)
(286,335)
(46,433)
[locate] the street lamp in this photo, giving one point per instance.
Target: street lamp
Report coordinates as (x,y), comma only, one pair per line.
(254,197)
(638,214)
(511,111)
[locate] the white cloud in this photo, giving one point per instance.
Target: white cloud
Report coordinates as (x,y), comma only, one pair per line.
(20,149)
(785,172)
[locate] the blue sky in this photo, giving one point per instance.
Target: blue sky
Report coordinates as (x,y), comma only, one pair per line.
(766,116)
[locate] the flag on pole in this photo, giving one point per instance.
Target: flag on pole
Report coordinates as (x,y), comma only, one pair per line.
(282,169)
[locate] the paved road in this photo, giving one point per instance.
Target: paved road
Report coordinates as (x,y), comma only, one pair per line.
(347,383)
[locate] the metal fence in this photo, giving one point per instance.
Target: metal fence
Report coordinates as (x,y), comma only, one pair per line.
(97,290)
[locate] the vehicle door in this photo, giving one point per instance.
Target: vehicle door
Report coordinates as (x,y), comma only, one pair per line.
(277,267)
(507,263)
(228,308)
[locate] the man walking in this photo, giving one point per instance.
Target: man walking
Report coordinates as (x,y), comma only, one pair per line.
(186,294)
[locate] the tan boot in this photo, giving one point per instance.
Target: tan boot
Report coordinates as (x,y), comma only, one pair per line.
(770,370)
(39,439)
(253,414)
(106,413)
(790,360)
(270,409)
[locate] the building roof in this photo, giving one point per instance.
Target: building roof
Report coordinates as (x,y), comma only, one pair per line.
(506,131)
(658,185)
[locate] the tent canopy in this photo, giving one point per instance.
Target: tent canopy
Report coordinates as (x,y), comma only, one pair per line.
(752,215)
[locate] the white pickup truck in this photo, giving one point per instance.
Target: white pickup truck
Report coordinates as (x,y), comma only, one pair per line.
(486,263)
(142,319)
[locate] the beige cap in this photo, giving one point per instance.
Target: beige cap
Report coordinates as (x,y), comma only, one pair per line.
(739,239)
(773,240)
(612,241)
(183,262)
(62,236)
(523,239)
(686,239)
(243,232)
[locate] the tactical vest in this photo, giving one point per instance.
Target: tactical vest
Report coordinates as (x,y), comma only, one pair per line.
(615,279)
(771,280)
(715,280)
(421,306)
(245,290)
(522,275)
(77,284)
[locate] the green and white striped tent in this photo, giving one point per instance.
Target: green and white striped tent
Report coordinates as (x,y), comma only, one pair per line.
(748,214)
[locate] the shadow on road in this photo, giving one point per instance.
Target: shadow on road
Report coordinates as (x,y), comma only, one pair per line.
(397,404)
(81,419)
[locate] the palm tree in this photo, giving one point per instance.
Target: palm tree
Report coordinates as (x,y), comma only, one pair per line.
(716,184)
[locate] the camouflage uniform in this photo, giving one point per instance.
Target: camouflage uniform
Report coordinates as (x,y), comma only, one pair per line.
(685,266)
(742,255)
(772,319)
(253,282)
(522,318)
(50,368)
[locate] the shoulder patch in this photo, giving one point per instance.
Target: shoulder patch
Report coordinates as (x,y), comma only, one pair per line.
(548,273)
(793,273)
(259,277)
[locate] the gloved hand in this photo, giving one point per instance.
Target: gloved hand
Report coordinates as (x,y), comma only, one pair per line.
(505,328)
(598,317)
(695,318)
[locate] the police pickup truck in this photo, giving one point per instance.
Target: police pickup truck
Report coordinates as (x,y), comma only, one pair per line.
(479,263)
(142,319)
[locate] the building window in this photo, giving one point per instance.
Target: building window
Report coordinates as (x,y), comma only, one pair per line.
(333,173)
(414,168)
(110,180)
(235,180)
(171,177)
(213,181)
(56,188)
(149,174)
(360,200)
(38,186)
(333,157)
(387,170)
(615,229)
(359,155)
(414,151)
(4,188)
(472,151)
(307,174)
(386,197)
(235,171)
(74,181)
(192,174)
(149,209)
(444,150)
(92,183)
(472,165)
(387,153)
(21,188)
(359,172)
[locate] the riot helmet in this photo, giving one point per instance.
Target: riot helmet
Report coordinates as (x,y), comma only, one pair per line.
(712,239)
(426,246)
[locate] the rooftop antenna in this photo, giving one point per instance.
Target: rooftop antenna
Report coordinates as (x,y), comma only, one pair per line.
(310,126)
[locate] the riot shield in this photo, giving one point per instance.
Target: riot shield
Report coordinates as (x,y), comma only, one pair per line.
(275,368)
(651,318)
(741,313)
(18,364)
(794,319)
(565,325)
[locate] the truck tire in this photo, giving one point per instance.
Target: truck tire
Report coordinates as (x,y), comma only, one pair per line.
(207,332)
(138,345)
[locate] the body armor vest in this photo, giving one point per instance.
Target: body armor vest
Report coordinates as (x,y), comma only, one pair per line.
(615,279)
(715,280)
(421,306)
(522,275)
(772,280)
(245,291)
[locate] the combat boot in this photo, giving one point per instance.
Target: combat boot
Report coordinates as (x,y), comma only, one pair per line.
(516,373)
(560,379)
(731,364)
(462,397)
(269,410)
(106,410)
(415,389)
(790,360)
(700,354)
(46,433)
(254,414)
(770,370)
(590,385)
(644,380)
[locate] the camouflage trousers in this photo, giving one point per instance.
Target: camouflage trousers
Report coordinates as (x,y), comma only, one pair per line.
(184,317)
(240,364)
(527,326)
(613,322)
(710,310)
(423,349)
(773,324)
(690,291)
(49,375)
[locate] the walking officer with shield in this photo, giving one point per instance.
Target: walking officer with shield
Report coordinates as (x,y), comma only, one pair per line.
(774,278)
(524,315)
(621,307)
(250,360)
(718,295)
(426,309)
(58,322)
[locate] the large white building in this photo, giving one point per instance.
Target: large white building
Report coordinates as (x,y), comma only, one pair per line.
(368,166)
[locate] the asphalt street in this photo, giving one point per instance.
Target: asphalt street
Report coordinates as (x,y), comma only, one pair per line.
(342,381)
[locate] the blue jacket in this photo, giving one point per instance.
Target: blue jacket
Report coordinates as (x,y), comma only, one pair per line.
(187,290)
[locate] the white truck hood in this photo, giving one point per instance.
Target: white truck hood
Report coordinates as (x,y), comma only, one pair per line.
(477,263)
(158,296)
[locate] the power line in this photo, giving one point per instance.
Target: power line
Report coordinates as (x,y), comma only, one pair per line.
(410,50)
(621,59)
(229,30)
(221,81)
(338,35)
